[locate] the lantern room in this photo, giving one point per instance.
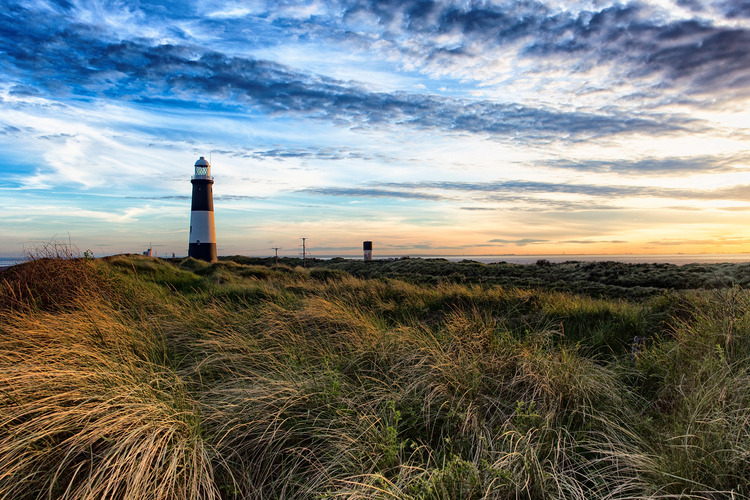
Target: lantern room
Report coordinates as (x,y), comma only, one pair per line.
(202,169)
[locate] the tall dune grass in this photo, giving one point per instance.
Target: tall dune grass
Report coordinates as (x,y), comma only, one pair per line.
(88,407)
(129,377)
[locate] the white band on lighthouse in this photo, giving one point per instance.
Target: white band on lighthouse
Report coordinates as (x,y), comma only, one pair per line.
(202,229)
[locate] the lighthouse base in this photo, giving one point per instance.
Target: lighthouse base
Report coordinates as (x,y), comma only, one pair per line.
(203,251)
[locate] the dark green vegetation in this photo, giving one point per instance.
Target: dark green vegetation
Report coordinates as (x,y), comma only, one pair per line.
(600,279)
(130,377)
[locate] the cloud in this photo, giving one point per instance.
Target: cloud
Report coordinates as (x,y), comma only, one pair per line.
(738,192)
(505,202)
(236,197)
(693,5)
(633,41)
(637,44)
(55,137)
(58,214)
(313,153)
(716,241)
(60,59)
(522,242)
(530,195)
(589,242)
(10,130)
(23,91)
(656,166)
(718,60)
(735,9)
(370,193)
(221,197)
(540,204)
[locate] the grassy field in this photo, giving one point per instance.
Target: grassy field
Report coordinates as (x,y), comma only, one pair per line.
(130,377)
(600,279)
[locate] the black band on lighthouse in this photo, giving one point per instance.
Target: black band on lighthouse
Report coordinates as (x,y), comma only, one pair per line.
(203,196)
(203,251)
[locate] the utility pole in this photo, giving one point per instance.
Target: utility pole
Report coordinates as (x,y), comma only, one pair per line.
(304,252)
(277,253)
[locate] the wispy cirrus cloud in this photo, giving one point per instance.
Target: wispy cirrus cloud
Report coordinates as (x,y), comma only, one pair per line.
(657,166)
(313,153)
(218,198)
(717,240)
(520,242)
(371,193)
(528,196)
(510,202)
(593,242)
(737,192)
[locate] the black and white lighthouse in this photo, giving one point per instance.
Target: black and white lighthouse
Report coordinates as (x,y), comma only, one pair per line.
(202,230)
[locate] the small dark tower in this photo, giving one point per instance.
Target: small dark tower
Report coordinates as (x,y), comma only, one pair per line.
(202,230)
(367,247)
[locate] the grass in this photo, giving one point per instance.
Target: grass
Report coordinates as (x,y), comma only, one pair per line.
(131,377)
(596,279)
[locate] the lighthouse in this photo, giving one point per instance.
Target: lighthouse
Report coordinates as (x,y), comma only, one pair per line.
(202,230)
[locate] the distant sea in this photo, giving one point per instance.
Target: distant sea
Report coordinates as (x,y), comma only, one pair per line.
(7,261)
(625,258)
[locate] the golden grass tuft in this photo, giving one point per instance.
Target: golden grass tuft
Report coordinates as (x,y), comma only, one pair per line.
(86,413)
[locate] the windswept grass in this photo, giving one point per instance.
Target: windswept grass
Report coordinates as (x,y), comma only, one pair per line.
(89,406)
(130,377)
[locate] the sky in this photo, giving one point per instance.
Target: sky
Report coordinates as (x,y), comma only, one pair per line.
(429,127)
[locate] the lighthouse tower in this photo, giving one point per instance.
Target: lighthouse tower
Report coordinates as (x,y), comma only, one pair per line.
(202,230)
